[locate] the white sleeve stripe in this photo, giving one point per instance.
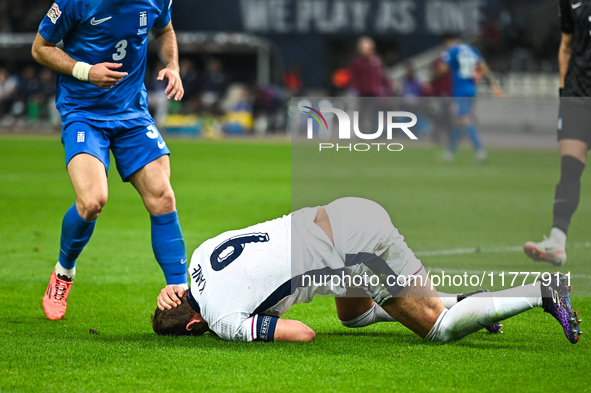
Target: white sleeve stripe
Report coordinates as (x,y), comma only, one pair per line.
(252,327)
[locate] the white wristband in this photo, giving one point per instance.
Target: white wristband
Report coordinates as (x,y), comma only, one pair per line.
(81,71)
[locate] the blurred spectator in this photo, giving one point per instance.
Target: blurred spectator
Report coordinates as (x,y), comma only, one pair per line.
(411,86)
(293,79)
(189,75)
(29,93)
(46,97)
(366,69)
(237,106)
(190,78)
(441,83)
(214,85)
(341,78)
(22,16)
(158,104)
(9,85)
(269,106)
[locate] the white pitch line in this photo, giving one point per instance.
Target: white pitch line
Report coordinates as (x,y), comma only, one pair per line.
(439,270)
(485,250)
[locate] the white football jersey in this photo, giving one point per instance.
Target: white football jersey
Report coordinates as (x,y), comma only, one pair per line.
(243,273)
(241,280)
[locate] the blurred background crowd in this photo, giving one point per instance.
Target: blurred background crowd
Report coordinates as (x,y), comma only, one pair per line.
(238,75)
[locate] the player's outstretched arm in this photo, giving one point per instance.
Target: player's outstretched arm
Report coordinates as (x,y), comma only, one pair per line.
(49,55)
(169,54)
(488,75)
(290,330)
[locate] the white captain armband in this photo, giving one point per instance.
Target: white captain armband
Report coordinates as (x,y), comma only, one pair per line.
(81,71)
(265,327)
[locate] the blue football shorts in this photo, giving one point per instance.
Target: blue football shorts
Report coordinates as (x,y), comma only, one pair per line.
(463,106)
(134,143)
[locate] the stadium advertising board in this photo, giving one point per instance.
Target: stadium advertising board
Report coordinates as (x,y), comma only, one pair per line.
(336,17)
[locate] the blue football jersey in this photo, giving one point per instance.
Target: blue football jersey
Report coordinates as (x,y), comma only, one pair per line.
(463,59)
(98,31)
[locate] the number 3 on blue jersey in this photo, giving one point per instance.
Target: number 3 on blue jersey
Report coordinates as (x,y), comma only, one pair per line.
(121,52)
(152,132)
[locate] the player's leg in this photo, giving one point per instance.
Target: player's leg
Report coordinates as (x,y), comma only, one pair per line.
(419,308)
(364,236)
(359,224)
(467,110)
(568,191)
(142,158)
(480,151)
(153,184)
(455,135)
(574,140)
(87,158)
(460,121)
(358,309)
(420,312)
(89,179)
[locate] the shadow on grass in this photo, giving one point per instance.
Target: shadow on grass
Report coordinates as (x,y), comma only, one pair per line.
(79,333)
(352,341)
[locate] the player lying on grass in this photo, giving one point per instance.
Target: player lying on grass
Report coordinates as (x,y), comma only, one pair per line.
(243,280)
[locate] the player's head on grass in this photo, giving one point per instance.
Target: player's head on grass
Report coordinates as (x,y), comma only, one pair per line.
(179,321)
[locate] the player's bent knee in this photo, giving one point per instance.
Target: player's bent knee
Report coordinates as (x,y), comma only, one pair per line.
(167,201)
(163,202)
(92,207)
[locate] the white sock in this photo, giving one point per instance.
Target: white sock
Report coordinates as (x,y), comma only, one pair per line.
(69,273)
(449,299)
(484,309)
(378,314)
(382,315)
(558,236)
(374,315)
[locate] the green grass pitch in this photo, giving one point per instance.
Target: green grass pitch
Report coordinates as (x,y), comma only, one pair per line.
(226,185)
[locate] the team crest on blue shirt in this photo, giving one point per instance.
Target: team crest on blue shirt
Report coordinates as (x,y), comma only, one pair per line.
(143,23)
(54,13)
(143,18)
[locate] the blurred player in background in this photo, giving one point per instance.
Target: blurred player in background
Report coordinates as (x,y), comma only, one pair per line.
(574,127)
(464,62)
(242,281)
(103,103)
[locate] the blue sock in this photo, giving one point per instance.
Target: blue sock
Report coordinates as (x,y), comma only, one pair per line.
(454,138)
(76,233)
(169,247)
(473,134)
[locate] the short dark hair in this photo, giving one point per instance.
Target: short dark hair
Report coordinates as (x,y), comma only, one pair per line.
(174,322)
(450,35)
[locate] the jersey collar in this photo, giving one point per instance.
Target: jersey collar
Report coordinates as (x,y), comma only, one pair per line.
(192,302)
